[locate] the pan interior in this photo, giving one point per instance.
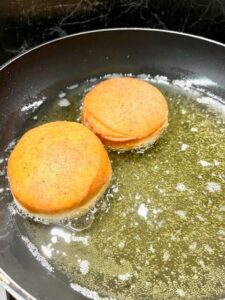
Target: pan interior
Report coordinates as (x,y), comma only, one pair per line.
(158,232)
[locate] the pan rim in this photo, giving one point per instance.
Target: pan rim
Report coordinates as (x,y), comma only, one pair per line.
(173,32)
(13,288)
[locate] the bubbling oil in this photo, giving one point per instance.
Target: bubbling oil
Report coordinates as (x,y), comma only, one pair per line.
(158,232)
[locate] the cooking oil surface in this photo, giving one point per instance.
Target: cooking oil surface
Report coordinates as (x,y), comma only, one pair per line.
(158,232)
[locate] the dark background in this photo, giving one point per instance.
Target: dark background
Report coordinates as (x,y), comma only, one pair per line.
(26,23)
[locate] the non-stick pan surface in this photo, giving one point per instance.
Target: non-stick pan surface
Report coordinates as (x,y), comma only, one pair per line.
(69,60)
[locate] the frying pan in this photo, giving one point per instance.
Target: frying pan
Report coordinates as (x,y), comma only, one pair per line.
(73,59)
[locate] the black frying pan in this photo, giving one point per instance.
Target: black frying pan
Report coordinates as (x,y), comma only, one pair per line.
(69,60)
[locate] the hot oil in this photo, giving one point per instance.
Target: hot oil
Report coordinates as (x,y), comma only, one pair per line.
(158,233)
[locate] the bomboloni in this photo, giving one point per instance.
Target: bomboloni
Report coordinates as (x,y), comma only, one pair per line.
(125,113)
(58,170)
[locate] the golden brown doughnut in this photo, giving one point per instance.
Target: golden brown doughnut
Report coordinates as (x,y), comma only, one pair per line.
(125,113)
(58,170)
